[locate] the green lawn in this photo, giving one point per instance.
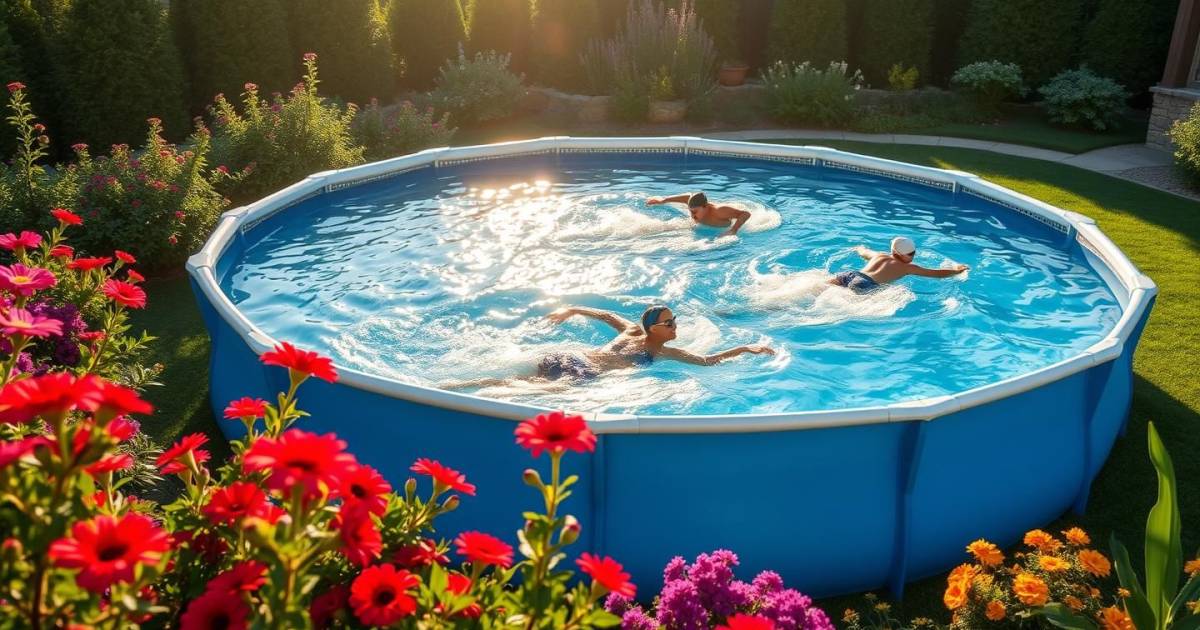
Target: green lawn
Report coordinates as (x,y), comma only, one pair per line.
(1028,126)
(1160,232)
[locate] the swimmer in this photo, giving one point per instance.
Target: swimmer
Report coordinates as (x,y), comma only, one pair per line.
(884,268)
(706,213)
(636,345)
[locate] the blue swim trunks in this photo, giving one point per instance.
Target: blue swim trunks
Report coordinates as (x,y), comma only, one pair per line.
(571,366)
(856,281)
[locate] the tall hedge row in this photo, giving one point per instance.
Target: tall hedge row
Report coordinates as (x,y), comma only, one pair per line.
(949,22)
(1041,36)
(351,40)
(722,21)
(808,30)
(563,29)
(1128,41)
(893,32)
(118,66)
(504,26)
(425,33)
(228,43)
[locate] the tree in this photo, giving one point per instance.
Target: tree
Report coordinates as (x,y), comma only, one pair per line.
(894,32)
(31,28)
(504,26)
(119,67)
(1128,41)
(425,33)
(562,29)
(233,42)
(808,30)
(1041,37)
(351,39)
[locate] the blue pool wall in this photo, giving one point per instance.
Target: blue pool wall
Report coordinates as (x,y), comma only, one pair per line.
(833,504)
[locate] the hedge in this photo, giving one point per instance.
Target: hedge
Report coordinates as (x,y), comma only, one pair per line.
(949,22)
(351,39)
(1042,37)
(230,43)
(504,26)
(425,33)
(117,68)
(721,21)
(1128,41)
(31,34)
(563,28)
(808,30)
(894,32)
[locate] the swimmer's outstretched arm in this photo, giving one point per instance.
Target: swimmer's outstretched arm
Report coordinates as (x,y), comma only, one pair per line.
(608,317)
(865,253)
(936,273)
(654,201)
(712,359)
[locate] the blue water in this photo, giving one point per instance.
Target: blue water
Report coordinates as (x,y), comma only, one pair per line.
(447,274)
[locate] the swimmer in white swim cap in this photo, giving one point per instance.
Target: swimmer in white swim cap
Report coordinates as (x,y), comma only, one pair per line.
(884,268)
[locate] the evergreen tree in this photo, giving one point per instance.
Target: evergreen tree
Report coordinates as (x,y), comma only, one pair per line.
(350,38)
(233,42)
(808,30)
(425,33)
(1041,37)
(561,31)
(1128,41)
(949,22)
(118,66)
(32,27)
(893,32)
(10,58)
(504,26)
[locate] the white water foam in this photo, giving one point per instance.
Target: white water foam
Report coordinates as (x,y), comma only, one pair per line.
(807,298)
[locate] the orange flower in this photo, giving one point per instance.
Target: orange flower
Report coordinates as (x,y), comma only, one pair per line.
(1053,564)
(1030,589)
(1073,603)
(1042,541)
(1122,592)
(1095,592)
(995,610)
(1094,562)
(1192,567)
(1077,537)
(986,553)
(1113,618)
(958,586)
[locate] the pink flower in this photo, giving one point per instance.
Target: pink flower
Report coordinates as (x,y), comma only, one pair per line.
(15,243)
(15,86)
(250,87)
(179,215)
(19,321)
(172,239)
(79,147)
(25,281)
(311,56)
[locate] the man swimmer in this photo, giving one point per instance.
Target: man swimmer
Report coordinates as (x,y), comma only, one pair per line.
(884,268)
(707,213)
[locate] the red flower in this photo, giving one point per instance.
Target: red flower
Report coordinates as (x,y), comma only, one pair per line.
(12,451)
(62,251)
(361,540)
(484,549)
(109,548)
(25,281)
(328,604)
(115,400)
(246,408)
(66,217)
(206,545)
(124,293)
(239,500)
(122,428)
(16,86)
(174,459)
(555,432)
(609,573)
(422,554)
(53,394)
(110,463)
(747,622)
(302,361)
(19,243)
(215,610)
(443,476)
(88,264)
(317,462)
(125,257)
(380,595)
(459,584)
(92,336)
(134,277)
(363,487)
(245,577)
(19,321)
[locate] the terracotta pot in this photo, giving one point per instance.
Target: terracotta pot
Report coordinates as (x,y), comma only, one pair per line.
(667,112)
(732,75)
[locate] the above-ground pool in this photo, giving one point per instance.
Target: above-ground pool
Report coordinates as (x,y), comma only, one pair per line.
(888,430)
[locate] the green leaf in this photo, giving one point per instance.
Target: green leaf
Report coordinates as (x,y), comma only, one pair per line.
(1190,590)
(1164,553)
(1136,604)
(1187,623)
(1062,617)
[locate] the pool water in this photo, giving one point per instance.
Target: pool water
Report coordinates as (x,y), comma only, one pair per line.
(446,274)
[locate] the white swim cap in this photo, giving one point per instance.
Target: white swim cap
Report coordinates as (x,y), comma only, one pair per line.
(904,245)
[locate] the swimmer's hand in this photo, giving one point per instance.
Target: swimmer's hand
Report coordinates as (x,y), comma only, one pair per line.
(957,269)
(758,348)
(654,201)
(561,315)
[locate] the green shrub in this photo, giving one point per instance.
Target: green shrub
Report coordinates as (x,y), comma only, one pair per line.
(478,89)
(561,30)
(1128,40)
(901,79)
(630,101)
(894,32)
(390,131)
(504,26)
(274,144)
(720,19)
(118,68)
(1186,136)
(425,34)
(10,62)
(881,111)
(1041,37)
(351,38)
(26,187)
(801,94)
(32,30)
(229,42)
(990,82)
(1080,97)
(808,30)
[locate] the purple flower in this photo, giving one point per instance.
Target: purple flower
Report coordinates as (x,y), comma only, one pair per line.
(713,576)
(680,608)
(636,619)
(787,608)
(767,582)
(676,569)
(617,603)
(24,363)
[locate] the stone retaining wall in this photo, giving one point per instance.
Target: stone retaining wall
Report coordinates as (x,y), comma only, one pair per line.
(1170,104)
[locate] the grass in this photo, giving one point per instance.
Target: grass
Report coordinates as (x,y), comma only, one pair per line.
(1159,231)
(1028,126)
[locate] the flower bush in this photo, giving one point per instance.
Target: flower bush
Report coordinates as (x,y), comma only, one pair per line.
(706,593)
(801,93)
(990,82)
(391,131)
(478,89)
(271,144)
(1081,97)
(1185,135)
